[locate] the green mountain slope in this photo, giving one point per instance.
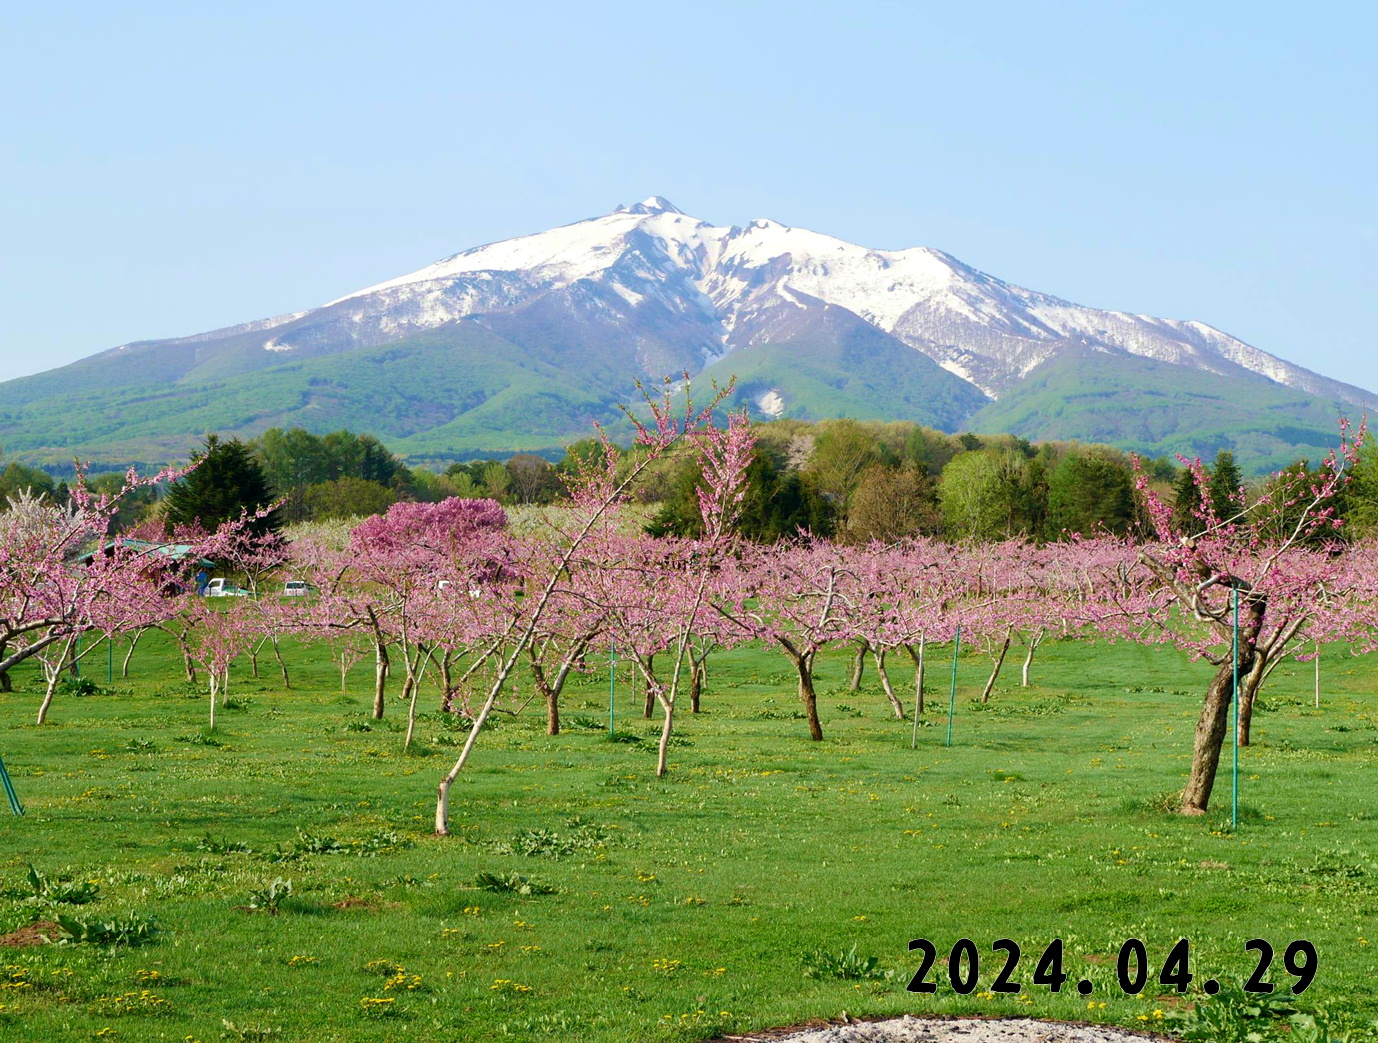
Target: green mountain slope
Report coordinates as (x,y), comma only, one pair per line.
(864,377)
(462,389)
(457,390)
(458,386)
(1155,408)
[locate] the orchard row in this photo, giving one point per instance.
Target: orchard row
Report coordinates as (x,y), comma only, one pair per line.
(446,590)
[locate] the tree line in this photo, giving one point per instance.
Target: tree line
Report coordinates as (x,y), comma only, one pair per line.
(853,481)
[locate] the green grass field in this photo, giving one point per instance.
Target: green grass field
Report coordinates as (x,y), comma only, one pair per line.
(722,898)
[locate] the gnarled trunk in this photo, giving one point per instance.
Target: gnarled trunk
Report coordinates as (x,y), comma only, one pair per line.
(878,654)
(803,664)
(547,690)
(695,687)
(1211,727)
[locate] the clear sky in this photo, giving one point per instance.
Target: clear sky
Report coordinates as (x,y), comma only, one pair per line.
(168,169)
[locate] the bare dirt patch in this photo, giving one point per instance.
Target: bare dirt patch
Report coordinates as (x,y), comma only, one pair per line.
(36,933)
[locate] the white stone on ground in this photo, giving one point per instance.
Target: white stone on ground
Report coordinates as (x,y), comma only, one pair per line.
(955,1030)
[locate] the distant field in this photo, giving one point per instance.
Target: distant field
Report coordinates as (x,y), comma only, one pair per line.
(722,898)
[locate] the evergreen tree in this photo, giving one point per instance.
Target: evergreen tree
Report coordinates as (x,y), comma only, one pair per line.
(1223,489)
(226,482)
(1361,495)
(1186,508)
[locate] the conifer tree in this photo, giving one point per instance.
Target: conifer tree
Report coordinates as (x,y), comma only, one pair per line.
(227,482)
(1223,489)
(1186,507)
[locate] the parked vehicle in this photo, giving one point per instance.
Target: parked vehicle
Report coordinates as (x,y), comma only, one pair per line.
(296,588)
(223,588)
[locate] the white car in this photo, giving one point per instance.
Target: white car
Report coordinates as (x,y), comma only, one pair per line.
(221,588)
(296,588)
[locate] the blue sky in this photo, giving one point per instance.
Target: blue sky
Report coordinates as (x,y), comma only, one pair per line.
(165,170)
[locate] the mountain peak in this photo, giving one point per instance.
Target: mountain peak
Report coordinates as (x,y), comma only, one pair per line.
(650,205)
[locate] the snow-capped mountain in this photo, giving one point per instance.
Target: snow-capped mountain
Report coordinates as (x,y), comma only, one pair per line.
(696,292)
(521,344)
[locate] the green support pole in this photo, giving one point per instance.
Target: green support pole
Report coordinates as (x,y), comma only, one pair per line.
(15,806)
(914,739)
(1234,815)
(612,688)
(952,696)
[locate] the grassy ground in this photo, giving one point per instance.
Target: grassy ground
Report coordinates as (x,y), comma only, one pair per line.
(721,898)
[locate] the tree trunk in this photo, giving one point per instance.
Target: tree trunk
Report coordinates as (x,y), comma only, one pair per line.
(1210,736)
(878,654)
(211,672)
(442,790)
(1249,686)
(1318,675)
(918,658)
(411,717)
(649,711)
(446,679)
(49,688)
(804,665)
(6,685)
(695,686)
(188,664)
(282,665)
(1034,642)
(381,666)
(552,701)
(665,728)
(52,679)
(858,667)
(999,662)
(133,644)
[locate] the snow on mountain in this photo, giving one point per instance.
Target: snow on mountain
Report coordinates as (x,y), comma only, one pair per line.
(706,290)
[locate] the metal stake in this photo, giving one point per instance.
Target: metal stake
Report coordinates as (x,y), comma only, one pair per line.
(15,806)
(952,696)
